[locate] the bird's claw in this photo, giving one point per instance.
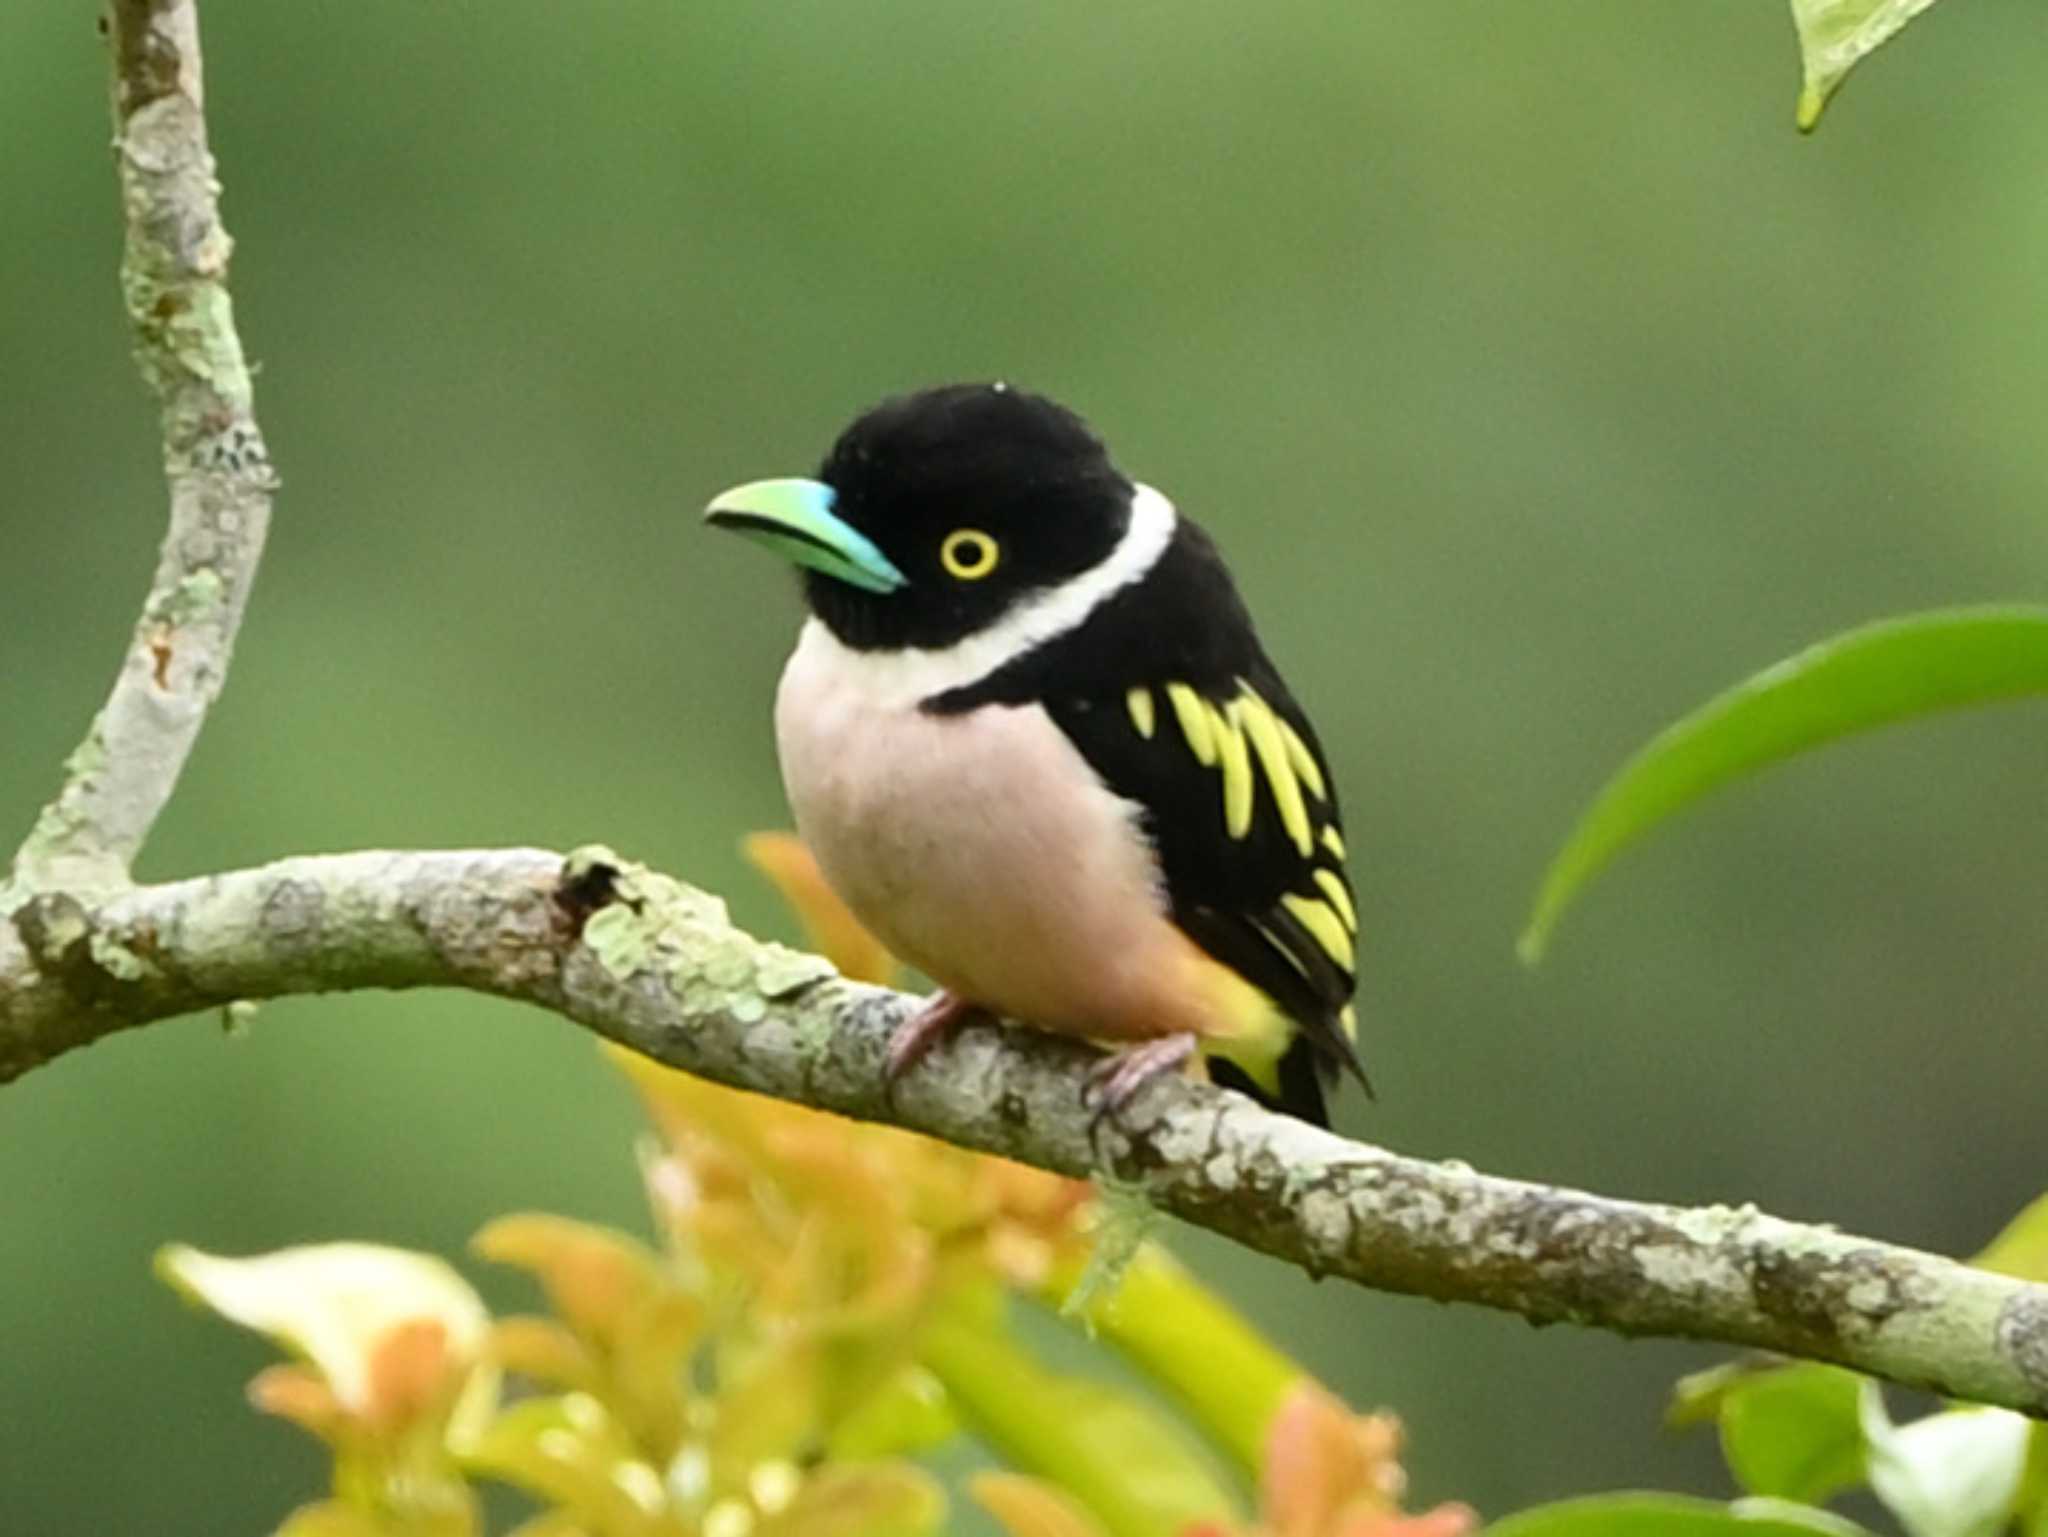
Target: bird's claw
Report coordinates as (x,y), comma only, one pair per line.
(1117,1079)
(941,1014)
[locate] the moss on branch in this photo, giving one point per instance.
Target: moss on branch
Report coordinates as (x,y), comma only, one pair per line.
(654,964)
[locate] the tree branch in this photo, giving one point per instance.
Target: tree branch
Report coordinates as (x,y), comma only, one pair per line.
(174,279)
(654,965)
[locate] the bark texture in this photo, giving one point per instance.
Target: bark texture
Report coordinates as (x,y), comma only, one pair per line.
(653,964)
(174,283)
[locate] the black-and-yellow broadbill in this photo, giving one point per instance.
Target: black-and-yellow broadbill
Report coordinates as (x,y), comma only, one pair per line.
(1033,740)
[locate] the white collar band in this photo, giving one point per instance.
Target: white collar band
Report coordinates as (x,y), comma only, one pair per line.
(907,677)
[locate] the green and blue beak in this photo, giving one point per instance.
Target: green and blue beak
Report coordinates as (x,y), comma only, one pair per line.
(795,519)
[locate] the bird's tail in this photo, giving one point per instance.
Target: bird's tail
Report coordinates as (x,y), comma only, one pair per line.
(1307,1071)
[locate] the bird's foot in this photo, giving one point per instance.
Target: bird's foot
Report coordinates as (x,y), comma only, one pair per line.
(1115,1080)
(941,1015)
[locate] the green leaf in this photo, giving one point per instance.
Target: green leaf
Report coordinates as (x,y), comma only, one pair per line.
(909,1413)
(874,1500)
(1696,1398)
(331,1518)
(569,1452)
(2021,1248)
(1835,36)
(1647,1515)
(1030,1507)
(1795,1433)
(551,1523)
(1955,1474)
(2032,1500)
(1231,1387)
(1867,677)
(1760,1507)
(1133,1469)
(766,1411)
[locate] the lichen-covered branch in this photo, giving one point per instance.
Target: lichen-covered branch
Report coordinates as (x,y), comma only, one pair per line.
(174,280)
(654,964)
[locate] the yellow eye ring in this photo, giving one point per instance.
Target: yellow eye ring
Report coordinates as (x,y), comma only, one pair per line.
(968,554)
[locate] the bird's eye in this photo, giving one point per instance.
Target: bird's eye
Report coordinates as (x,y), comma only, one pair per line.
(968,554)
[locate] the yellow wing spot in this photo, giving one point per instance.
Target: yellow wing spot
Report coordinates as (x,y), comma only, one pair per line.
(1236,763)
(1340,897)
(1321,920)
(1139,702)
(1228,738)
(1193,713)
(1306,768)
(1263,727)
(1334,842)
(1348,1022)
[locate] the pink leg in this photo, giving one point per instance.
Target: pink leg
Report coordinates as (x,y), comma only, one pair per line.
(1115,1080)
(921,1032)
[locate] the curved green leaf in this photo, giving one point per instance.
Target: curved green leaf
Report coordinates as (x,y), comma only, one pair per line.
(1835,36)
(876,1499)
(1764,1507)
(1132,1468)
(2021,1247)
(908,1413)
(1657,1515)
(1231,1388)
(1794,1433)
(1867,677)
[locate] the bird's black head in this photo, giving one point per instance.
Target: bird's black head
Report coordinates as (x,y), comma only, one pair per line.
(935,513)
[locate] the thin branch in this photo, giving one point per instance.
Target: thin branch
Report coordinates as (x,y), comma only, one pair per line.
(654,964)
(174,280)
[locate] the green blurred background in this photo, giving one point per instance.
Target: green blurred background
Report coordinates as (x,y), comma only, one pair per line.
(1536,377)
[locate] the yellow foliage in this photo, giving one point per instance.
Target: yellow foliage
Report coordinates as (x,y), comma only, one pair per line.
(761,1369)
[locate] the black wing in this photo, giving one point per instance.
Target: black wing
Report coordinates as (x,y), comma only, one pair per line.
(1167,693)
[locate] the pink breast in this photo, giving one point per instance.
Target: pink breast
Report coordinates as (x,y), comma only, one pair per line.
(983,850)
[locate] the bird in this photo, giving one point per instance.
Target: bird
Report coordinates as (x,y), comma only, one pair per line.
(1032,738)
